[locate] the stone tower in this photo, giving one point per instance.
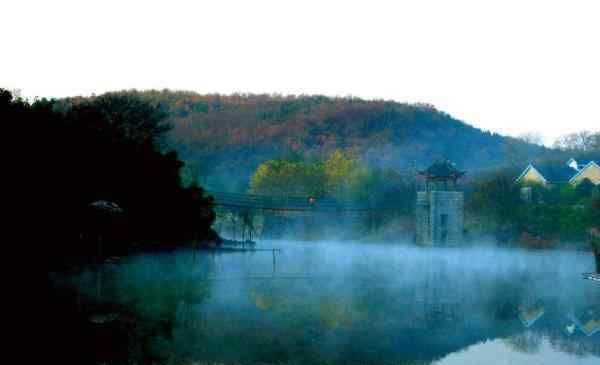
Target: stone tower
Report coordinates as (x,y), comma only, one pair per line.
(440,208)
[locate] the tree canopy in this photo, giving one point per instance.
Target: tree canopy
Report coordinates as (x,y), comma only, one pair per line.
(105,148)
(229,136)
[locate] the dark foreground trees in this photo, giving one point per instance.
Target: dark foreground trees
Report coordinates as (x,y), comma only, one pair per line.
(79,151)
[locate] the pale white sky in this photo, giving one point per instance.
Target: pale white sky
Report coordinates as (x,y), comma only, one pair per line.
(506,66)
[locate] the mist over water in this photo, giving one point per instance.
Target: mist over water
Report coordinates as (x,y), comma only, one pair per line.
(334,302)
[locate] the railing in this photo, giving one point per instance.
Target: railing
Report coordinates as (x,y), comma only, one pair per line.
(289,203)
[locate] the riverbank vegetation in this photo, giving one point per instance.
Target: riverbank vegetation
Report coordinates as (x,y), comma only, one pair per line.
(366,198)
(557,214)
(98,169)
(129,148)
(561,214)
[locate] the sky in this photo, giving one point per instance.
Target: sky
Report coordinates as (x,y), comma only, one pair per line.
(507,66)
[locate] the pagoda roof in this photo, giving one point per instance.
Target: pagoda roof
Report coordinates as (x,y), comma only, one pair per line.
(442,169)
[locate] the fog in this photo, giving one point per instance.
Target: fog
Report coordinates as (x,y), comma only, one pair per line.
(334,302)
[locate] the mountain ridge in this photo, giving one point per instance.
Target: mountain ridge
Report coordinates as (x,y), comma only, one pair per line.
(227,136)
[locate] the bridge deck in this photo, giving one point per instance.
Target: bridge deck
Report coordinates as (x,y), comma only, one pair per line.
(286,203)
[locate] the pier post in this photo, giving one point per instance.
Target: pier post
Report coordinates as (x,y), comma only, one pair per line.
(594,240)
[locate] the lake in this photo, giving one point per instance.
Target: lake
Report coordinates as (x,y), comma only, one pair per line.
(342,303)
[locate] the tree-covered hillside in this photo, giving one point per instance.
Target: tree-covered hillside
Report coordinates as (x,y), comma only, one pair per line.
(225,137)
(98,182)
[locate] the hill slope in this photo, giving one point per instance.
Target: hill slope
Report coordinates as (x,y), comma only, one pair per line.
(226,137)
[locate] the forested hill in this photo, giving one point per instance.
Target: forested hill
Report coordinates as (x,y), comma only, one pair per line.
(228,136)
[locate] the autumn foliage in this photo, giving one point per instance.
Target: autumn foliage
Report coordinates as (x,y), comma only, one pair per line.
(229,136)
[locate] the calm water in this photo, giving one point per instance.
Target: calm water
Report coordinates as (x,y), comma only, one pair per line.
(343,303)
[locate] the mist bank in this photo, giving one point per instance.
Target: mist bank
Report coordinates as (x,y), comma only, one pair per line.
(338,303)
(371,203)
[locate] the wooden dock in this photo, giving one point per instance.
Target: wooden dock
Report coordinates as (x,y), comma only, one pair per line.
(237,249)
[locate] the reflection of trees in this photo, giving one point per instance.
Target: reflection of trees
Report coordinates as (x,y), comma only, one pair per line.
(336,314)
(375,308)
(139,304)
(163,290)
(528,342)
(157,286)
(577,346)
(437,311)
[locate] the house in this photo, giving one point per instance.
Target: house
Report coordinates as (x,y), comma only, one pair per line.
(572,172)
(589,326)
(590,170)
(528,316)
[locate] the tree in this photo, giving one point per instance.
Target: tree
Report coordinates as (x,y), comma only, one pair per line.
(527,342)
(585,188)
(518,150)
(534,138)
(583,141)
(492,203)
(382,192)
(104,148)
(233,134)
(594,209)
(122,116)
(342,172)
(288,178)
(596,141)
(336,176)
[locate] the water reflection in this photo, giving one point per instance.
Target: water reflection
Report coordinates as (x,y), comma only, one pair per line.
(352,303)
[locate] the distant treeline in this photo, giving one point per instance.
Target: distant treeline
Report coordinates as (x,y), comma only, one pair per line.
(560,213)
(556,213)
(226,137)
(107,148)
(382,195)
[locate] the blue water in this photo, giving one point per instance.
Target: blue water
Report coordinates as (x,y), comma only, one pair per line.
(342,303)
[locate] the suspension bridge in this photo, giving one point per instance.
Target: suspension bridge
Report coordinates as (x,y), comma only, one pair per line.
(238,211)
(242,202)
